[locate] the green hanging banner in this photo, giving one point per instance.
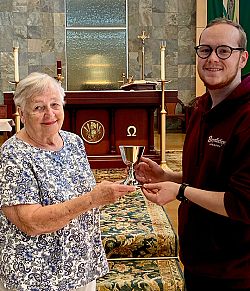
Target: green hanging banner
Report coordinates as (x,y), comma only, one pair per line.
(244,21)
(215,9)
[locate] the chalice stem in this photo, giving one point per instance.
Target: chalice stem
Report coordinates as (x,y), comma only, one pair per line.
(130,156)
(131,174)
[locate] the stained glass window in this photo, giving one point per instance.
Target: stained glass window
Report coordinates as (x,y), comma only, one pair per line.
(96,40)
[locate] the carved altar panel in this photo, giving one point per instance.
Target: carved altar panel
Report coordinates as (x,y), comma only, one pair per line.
(131,127)
(91,125)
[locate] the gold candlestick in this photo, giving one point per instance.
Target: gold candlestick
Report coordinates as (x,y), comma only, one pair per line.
(59,76)
(163,125)
(16,77)
(16,115)
(163,111)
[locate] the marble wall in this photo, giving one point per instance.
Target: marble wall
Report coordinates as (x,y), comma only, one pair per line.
(175,22)
(39,27)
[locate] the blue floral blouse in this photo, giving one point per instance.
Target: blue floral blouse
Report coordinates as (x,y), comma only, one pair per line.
(65,259)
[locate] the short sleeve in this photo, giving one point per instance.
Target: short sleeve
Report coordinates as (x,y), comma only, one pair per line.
(18,184)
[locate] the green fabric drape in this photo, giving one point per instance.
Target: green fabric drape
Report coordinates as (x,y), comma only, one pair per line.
(214,9)
(245,22)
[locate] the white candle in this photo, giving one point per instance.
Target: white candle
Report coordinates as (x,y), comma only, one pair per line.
(163,48)
(16,68)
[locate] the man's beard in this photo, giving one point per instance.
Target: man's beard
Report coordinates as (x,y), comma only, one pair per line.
(221,85)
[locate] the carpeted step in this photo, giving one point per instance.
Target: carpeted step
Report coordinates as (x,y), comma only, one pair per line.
(143,274)
(140,244)
(133,227)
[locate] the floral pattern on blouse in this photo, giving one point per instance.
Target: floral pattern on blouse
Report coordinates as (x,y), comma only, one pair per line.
(65,259)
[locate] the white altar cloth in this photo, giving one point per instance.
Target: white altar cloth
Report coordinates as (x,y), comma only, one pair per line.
(6,124)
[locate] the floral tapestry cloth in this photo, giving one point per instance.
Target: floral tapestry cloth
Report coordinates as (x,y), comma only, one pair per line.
(135,227)
(144,274)
(141,247)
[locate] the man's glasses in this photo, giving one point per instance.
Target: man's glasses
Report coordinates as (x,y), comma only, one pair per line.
(222,51)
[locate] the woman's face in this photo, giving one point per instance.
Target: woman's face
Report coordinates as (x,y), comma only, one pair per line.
(43,115)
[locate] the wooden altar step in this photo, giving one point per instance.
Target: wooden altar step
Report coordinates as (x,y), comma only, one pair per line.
(143,274)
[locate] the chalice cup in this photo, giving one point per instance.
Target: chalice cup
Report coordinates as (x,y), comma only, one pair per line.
(131,156)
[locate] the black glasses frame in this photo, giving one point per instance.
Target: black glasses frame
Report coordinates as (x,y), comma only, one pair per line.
(216,50)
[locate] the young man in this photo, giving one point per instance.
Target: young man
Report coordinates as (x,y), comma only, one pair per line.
(214,185)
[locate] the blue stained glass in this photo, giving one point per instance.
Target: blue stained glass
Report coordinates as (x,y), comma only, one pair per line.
(96,59)
(96,13)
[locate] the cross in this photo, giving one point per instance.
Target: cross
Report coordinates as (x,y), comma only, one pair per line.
(143,36)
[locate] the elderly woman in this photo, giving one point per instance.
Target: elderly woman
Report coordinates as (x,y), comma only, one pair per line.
(49,219)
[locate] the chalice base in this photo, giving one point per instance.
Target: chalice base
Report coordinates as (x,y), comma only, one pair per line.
(132,183)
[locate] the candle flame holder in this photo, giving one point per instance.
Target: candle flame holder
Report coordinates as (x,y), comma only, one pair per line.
(59,78)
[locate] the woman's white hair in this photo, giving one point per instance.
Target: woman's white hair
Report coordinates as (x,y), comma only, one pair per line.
(35,84)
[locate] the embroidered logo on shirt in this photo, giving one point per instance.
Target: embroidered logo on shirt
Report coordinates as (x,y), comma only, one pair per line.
(216,142)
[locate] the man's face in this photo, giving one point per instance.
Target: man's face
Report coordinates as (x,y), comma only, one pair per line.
(213,71)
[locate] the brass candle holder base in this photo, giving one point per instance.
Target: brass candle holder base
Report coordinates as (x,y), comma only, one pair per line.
(16,115)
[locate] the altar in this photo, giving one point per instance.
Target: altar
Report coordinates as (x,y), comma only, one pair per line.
(107,119)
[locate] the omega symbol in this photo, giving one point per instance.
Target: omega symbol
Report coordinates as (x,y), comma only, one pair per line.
(131,130)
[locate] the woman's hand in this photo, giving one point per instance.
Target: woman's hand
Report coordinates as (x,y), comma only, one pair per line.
(108,192)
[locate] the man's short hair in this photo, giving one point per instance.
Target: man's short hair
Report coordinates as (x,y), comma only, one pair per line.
(243,36)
